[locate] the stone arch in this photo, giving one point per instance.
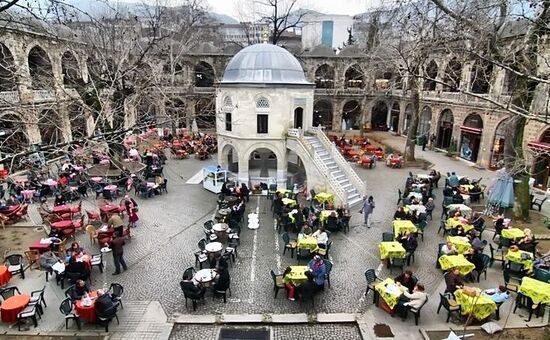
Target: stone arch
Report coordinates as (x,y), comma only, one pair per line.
(204,75)
(299,117)
(40,68)
(445,129)
(354,77)
(324,77)
(351,115)
(175,108)
(541,162)
(70,69)
(470,137)
(8,80)
(50,126)
(480,76)
(425,121)
(205,113)
(453,75)
(431,73)
(323,113)
(264,145)
(394,116)
(229,157)
(379,116)
(16,137)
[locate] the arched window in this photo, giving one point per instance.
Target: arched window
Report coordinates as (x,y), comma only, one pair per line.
(7,70)
(227,108)
(227,103)
(453,74)
(431,74)
(262,103)
(40,69)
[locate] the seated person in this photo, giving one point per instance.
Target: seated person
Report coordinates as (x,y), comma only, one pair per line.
(79,290)
(191,290)
(430,205)
(59,200)
(449,249)
(104,304)
(289,285)
(476,258)
(498,295)
(307,289)
(457,198)
(318,270)
(413,300)
(527,241)
(499,224)
(223,280)
(407,280)
(332,222)
(477,221)
(306,230)
(400,214)
(321,236)
(448,191)
(542,260)
(453,281)
(76,270)
(476,242)
(75,249)
(409,243)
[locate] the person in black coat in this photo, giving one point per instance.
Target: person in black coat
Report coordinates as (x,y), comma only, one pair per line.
(104,305)
(76,270)
(409,243)
(223,281)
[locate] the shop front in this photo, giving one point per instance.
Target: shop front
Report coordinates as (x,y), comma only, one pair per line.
(445,129)
(541,163)
(470,137)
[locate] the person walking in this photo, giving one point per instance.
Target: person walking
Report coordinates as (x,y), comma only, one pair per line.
(424,141)
(117,246)
(367,209)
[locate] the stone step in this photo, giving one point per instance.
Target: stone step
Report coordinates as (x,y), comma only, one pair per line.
(353,196)
(347,186)
(354,201)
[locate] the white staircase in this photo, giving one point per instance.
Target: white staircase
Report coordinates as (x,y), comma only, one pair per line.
(341,178)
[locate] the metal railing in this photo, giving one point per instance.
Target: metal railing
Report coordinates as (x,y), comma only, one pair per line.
(352,176)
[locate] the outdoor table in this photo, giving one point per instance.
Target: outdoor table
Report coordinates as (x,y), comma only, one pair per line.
(379,154)
(459,261)
(480,306)
(512,233)
(465,210)
(402,226)
(390,250)
(87,313)
(325,214)
(461,243)
(65,224)
(416,195)
(297,274)
(230,199)
(307,242)
(390,292)
(105,235)
(50,183)
(287,201)
(152,185)
(395,161)
(452,223)
(205,275)
(28,194)
(224,211)
(419,209)
(97,179)
(213,247)
(324,197)
(62,209)
(537,290)
(111,187)
(283,191)
(466,187)
(220,227)
(5,275)
(41,246)
(424,176)
(12,306)
(520,256)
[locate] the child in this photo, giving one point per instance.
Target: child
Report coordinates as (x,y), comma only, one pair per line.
(290,287)
(133,217)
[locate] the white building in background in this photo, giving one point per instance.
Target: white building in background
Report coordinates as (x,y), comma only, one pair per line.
(242,34)
(329,30)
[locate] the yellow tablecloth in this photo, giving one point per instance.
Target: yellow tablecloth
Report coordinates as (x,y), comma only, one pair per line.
(402,226)
(283,192)
(390,250)
(515,256)
(324,197)
(466,187)
(452,223)
(287,201)
(461,243)
(459,261)
(297,275)
(512,233)
(308,242)
(389,291)
(537,290)
(325,214)
(479,306)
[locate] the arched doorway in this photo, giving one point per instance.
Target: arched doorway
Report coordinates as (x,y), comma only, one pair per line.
(354,77)
(40,69)
(425,121)
(14,139)
(324,77)
(351,115)
(394,117)
(453,74)
(50,127)
(322,113)
(230,158)
(205,114)
(379,117)
(497,151)
(262,166)
(541,165)
(299,118)
(470,137)
(7,70)
(296,172)
(408,118)
(445,129)
(204,75)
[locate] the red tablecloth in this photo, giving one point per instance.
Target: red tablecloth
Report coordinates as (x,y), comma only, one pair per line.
(12,306)
(87,313)
(5,275)
(41,247)
(109,208)
(62,224)
(61,209)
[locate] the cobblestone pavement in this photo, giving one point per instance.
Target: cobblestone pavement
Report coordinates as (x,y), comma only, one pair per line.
(318,332)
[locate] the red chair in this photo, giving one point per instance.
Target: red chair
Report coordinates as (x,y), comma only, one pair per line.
(69,232)
(22,212)
(92,216)
(79,225)
(77,210)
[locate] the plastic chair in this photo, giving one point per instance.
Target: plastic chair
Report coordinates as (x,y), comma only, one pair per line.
(15,264)
(387,237)
(66,308)
(277,282)
(370,276)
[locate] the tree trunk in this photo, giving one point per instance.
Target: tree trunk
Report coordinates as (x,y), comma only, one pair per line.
(411,134)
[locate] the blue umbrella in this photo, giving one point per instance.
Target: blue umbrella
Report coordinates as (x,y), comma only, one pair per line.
(502,191)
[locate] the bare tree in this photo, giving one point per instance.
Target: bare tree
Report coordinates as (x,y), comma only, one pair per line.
(281,15)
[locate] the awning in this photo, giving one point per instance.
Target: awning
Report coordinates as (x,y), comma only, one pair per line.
(539,146)
(471,129)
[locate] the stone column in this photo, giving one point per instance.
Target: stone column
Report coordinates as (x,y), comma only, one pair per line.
(243,176)
(282,168)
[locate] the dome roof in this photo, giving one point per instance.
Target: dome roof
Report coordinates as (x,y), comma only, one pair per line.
(264,64)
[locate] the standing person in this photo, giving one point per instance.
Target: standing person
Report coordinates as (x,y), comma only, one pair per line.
(117,246)
(424,141)
(432,141)
(115,221)
(367,209)
(133,216)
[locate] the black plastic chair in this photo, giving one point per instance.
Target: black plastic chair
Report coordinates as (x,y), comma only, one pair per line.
(106,317)
(222,293)
(303,254)
(117,291)
(328,269)
(277,282)
(397,262)
(66,308)
(416,312)
(30,312)
(537,202)
(370,276)
(496,256)
(451,308)
(387,237)
(69,292)
(15,264)
(289,244)
(399,196)
(524,301)
(188,273)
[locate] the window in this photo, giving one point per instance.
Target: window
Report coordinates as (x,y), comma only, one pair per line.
(262,103)
(228,121)
(227,103)
(261,123)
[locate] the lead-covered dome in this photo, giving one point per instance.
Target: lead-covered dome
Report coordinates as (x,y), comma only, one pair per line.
(264,64)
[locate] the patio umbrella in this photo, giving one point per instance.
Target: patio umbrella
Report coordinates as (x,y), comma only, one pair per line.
(502,191)
(194,126)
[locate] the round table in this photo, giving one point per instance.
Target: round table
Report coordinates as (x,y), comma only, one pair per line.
(87,313)
(62,224)
(224,211)
(62,209)
(205,275)
(220,227)
(110,187)
(97,179)
(5,275)
(13,306)
(213,247)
